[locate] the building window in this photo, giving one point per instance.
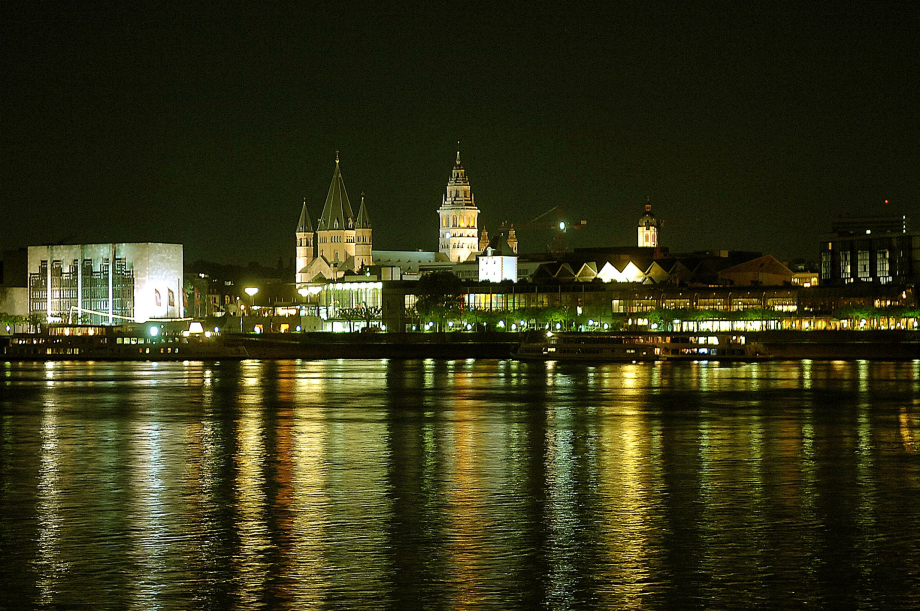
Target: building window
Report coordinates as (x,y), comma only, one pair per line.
(863,263)
(845,264)
(882,269)
(825,266)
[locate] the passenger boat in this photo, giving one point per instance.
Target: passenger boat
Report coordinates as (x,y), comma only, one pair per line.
(548,346)
(709,347)
(117,343)
(630,347)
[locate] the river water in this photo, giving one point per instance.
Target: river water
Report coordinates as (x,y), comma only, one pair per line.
(459,485)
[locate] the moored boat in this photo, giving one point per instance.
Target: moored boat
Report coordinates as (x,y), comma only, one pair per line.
(548,346)
(710,347)
(116,343)
(630,347)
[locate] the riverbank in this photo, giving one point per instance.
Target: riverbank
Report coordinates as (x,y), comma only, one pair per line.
(780,345)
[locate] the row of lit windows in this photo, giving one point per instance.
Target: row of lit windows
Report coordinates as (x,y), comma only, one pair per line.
(458,221)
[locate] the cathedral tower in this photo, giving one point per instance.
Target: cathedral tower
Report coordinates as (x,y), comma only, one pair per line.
(335,229)
(306,247)
(459,218)
(363,238)
(648,227)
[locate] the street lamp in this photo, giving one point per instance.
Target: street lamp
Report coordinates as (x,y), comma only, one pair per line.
(251,291)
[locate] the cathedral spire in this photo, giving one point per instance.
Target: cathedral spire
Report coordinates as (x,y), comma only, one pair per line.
(363,221)
(337,213)
(304,225)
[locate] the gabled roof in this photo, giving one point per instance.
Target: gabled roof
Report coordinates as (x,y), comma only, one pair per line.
(304,225)
(762,270)
(587,273)
(337,213)
(499,247)
(363,221)
(565,272)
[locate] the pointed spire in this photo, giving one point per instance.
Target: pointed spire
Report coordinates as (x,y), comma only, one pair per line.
(364,221)
(458,152)
(304,225)
(337,212)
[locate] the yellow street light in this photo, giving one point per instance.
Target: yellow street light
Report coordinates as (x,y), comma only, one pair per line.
(251,291)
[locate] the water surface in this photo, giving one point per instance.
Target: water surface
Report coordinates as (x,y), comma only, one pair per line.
(459,484)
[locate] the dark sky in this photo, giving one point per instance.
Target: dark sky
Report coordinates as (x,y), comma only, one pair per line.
(748,128)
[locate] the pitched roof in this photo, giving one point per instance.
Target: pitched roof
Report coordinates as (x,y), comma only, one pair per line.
(500,247)
(304,225)
(363,221)
(762,267)
(337,213)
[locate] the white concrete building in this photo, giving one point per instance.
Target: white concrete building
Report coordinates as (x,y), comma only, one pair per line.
(498,262)
(106,283)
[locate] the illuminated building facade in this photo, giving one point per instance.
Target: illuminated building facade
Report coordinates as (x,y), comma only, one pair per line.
(458,218)
(342,241)
(106,283)
(498,262)
(648,228)
(873,250)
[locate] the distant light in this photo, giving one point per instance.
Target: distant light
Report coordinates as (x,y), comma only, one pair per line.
(886,201)
(195,327)
(561,225)
(514,327)
(154,331)
(297,328)
(606,326)
(558,326)
(868,231)
(250,290)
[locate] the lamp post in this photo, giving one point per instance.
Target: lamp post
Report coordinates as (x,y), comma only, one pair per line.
(251,291)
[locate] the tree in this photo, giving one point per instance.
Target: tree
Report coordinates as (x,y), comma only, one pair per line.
(439,295)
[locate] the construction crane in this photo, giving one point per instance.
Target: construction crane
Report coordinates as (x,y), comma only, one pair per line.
(553,219)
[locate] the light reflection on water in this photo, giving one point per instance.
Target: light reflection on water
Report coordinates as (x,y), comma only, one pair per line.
(459,484)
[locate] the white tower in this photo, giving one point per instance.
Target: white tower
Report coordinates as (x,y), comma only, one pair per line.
(648,227)
(459,218)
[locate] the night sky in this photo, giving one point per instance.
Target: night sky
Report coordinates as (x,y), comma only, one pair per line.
(748,128)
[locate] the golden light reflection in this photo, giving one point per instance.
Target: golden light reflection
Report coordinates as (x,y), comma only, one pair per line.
(50,564)
(562,512)
(906,428)
(626,485)
(151,543)
(473,473)
(250,563)
(310,508)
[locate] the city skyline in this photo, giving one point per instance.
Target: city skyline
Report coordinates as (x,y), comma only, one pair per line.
(748,130)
